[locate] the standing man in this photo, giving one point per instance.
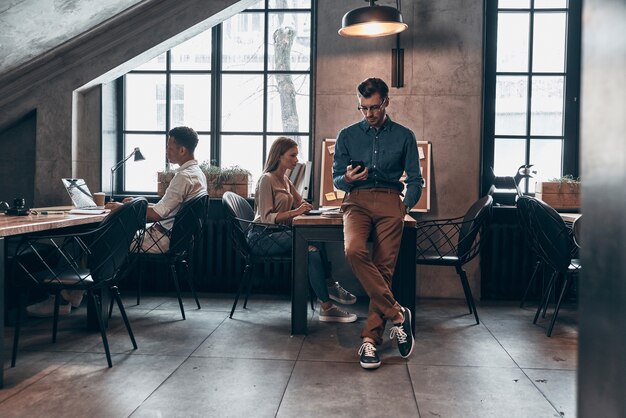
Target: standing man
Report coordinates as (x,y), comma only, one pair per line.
(188,182)
(373,205)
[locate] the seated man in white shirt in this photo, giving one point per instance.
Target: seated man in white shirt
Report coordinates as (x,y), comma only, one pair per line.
(188,182)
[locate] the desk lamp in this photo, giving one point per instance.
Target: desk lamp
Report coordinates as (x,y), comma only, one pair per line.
(138,157)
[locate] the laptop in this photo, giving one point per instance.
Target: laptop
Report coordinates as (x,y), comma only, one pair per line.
(80,195)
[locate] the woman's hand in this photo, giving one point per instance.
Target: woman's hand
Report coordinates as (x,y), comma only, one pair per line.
(113,206)
(304,207)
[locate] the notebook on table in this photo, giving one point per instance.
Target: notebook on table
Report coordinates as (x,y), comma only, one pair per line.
(81,197)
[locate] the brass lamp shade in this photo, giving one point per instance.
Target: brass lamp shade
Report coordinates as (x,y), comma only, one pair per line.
(372,21)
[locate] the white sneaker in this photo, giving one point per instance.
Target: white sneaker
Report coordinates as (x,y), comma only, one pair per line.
(45,308)
(74,297)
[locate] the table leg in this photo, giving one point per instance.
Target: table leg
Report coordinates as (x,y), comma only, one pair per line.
(3,255)
(299,283)
(403,284)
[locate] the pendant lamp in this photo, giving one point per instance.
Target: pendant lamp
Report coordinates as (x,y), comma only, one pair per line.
(372,21)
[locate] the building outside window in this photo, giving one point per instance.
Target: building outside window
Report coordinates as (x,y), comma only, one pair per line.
(532,77)
(240,85)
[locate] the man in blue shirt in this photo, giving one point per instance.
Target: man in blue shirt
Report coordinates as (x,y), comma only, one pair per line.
(374,201)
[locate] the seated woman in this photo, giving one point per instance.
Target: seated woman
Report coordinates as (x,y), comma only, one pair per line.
(278,202)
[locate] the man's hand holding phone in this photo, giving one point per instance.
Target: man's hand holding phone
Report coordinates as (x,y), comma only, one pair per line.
(356,171)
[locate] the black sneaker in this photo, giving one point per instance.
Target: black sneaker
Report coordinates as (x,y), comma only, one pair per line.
(404,334)
(369,359)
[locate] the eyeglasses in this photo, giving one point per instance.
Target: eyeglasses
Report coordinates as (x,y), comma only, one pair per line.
(374,108)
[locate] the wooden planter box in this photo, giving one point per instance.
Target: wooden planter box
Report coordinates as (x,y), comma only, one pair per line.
(239,185)
(559,195)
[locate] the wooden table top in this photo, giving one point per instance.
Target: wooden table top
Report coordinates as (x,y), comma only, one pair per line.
(322,220)
(18,225)
(570,217)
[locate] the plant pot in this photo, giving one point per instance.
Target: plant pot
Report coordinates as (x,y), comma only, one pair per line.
(559,195)
(237,184)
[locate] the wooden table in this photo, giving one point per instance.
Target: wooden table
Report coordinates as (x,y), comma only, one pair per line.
(14,226)
(319,228)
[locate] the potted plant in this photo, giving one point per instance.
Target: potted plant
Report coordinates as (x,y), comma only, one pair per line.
(560,193)
(219,180)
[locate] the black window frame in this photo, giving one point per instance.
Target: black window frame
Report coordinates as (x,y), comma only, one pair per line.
(216,133)
(571,154)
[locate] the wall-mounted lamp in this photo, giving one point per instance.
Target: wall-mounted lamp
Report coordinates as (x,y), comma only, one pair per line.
(138,157)
(374,21)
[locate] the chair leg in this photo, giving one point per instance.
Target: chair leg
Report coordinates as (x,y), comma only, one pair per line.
(55,321)
(558,305)
(551,289)
(242,283)
(245,302)
(103,334)
(530,283)
(116,295)
(545,297)
(111,307)
(176,284)
(190,282)
(469,299)
(139,276)
(18,325)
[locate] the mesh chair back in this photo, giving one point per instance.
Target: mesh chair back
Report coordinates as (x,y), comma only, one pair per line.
(115,238)
(552,236)
(189,223)
(475,219)
(523,218)
(238,207)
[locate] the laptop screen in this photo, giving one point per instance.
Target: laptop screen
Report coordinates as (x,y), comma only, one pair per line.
(79,193)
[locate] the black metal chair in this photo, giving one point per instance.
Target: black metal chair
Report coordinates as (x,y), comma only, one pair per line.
(523,218)
(187,229)
(557,247)
(241,216)
(91,261)
(454,242)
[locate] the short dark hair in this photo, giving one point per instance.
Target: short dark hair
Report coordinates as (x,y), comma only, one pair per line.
(371,86)
(185,137)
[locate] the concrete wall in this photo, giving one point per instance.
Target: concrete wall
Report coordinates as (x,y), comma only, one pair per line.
(60,81)
(441,102)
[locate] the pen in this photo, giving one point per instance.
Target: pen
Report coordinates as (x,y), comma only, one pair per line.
(52,212)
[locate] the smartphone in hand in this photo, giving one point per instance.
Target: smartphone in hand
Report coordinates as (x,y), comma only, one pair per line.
(358,163)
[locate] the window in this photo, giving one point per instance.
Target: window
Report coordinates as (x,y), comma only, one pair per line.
(240,85)
(532,77)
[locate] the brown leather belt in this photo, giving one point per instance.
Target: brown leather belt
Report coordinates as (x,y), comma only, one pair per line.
(376,190)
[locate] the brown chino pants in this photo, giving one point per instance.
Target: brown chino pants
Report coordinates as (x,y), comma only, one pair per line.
(381,211)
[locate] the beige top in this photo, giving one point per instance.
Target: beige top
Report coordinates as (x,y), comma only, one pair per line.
(274,195)
(188,182)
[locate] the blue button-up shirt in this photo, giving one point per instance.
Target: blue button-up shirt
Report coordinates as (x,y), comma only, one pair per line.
(388,152)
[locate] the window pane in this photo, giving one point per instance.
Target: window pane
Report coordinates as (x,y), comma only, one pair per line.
(156,63)
(550,4)
(141,176)
(511,105)
(203,150)
(288,103)
(242,103)
(259,5)
(191,101)
(547,156)
(514,4)
(303,146)
(289,41)
(243,42)
(194,54)
(145,102)
(290,4)
(244,151)
(509,154)
(549,42)
(512,54)
(547,106)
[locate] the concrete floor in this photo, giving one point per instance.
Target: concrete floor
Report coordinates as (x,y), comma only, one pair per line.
(250,366)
